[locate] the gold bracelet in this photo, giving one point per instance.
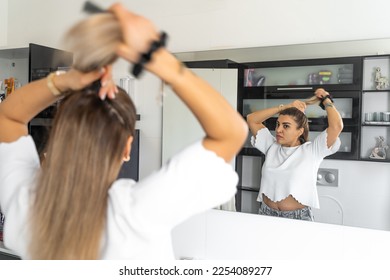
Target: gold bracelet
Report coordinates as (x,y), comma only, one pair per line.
(50,83)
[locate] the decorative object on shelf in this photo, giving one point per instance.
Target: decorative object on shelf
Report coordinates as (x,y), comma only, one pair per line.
(385,116)
(382,82)
(319,78)
(253,78)
(325,76)
(379,152)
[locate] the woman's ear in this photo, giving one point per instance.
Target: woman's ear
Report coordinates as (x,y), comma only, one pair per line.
(126,153)
(301,131)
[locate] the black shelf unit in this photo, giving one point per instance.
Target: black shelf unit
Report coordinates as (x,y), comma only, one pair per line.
(269,93)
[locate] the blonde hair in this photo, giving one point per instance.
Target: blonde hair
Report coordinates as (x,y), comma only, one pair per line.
(94,41)
(314,100)
(84,154)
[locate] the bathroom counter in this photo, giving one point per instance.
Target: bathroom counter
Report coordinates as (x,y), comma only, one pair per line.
(222,235)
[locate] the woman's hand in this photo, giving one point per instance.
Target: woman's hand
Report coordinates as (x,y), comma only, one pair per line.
(321,93)
(300,105)
(138,33)
(76,80)
(108,86)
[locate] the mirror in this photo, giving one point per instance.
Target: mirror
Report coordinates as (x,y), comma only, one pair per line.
(362,197)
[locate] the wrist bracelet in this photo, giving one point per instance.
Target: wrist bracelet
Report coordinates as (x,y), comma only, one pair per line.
(50,83)
(146,57)
(280,107)
(329,105)
(323,99)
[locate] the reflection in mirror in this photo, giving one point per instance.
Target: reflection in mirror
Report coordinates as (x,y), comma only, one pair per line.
(288,184)
(361,197)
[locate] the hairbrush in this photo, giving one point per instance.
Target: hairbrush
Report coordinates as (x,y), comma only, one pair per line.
(92,8)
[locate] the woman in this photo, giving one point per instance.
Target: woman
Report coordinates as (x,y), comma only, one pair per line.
(73,207)
(288,182)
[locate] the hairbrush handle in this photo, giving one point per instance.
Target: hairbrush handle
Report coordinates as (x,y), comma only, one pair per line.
(92,8)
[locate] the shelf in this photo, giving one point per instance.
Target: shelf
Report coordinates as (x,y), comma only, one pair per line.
(376,124)
(243,188)
(376,90)
(250,152)
(375,160)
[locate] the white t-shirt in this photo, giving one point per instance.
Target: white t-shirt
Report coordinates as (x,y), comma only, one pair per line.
(291,170)
(140,216)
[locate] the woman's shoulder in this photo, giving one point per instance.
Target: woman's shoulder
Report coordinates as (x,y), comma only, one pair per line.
(122,184)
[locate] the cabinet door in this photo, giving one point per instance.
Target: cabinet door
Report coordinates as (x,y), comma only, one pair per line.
(180,127)
(305,75)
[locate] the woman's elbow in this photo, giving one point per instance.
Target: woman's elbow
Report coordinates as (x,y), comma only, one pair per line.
(339,126)
(249,118)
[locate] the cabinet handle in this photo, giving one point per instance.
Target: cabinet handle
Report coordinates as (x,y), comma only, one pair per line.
(295,88)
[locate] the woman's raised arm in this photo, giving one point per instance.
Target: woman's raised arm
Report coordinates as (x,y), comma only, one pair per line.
(225,129)
(26,102)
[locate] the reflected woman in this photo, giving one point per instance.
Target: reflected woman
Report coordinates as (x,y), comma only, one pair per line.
(288,182)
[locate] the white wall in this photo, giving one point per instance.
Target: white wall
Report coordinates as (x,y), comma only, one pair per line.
(216,24)
(180,127)
(3,22)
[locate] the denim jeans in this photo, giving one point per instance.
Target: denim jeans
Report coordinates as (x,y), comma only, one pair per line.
(300,214)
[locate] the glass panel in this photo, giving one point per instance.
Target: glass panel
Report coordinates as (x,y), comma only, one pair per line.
(299,75)
(251,172)
(344,106)
(345,138)
(247,143)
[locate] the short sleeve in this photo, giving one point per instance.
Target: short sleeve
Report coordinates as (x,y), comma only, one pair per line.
(19,163)
(263,140)
(320,147)
(193,181)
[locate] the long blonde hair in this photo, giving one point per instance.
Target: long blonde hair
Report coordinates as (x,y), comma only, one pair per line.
(94,41)
(314,100)
(84,155)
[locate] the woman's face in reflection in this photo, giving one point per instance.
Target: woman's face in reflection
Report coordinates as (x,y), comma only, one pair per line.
(287,131)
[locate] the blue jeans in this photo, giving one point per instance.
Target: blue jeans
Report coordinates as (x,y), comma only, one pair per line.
(300,214)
